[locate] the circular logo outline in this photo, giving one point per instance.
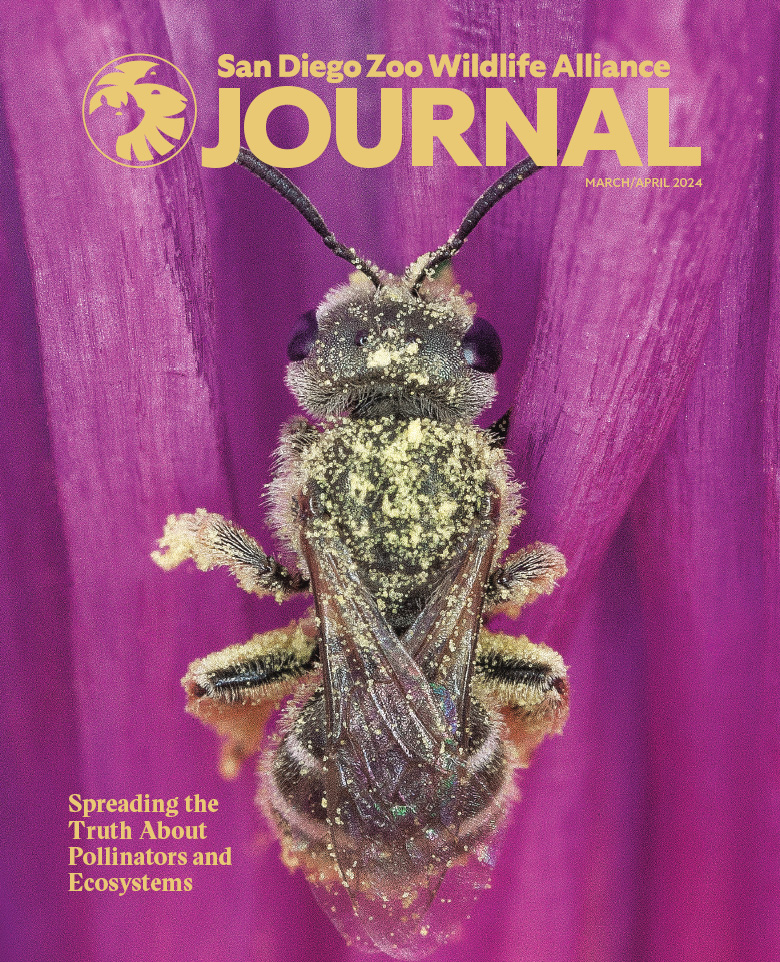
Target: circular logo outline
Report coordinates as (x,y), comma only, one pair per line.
(116,160)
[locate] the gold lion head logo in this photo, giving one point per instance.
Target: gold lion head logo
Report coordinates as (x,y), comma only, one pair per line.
(161,126)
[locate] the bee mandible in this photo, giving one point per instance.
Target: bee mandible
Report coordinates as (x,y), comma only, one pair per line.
(390,775)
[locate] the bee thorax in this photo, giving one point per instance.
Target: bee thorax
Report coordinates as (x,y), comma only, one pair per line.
(401,495)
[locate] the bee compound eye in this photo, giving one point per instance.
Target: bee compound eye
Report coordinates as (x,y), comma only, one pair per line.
(482,347)
(361,337)
(303,338)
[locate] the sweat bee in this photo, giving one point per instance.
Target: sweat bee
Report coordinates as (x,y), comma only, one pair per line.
(391,772)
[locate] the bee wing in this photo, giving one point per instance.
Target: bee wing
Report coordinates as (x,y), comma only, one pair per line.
(443,639)
(381,712)
(403,804)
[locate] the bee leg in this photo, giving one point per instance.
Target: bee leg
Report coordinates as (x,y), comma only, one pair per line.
(527,683)
(210,540)
(235,690)
(522,578)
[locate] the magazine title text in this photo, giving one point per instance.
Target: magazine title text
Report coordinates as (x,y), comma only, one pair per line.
(443,114)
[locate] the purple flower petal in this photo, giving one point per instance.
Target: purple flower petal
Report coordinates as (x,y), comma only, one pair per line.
(146,315)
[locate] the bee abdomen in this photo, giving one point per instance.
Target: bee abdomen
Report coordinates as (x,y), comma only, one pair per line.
(297,769)
(486,759)
(296,794)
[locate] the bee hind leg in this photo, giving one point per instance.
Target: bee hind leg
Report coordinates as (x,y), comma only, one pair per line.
(527,683)
(212,541)
(522,577)
(234,691)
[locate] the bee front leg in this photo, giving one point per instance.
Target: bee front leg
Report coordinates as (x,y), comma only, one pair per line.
(235,690)
(522,578)
(212,541)
(527,683)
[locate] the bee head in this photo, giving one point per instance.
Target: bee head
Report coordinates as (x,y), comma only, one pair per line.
(396,347)
(382,344)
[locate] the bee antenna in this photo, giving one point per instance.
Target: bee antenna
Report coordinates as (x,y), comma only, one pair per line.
(479,208)
(284,186)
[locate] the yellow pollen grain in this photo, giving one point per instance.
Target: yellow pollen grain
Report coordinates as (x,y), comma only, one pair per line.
(414,432)
(381,357)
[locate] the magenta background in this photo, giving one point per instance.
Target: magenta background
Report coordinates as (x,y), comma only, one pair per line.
(145,316)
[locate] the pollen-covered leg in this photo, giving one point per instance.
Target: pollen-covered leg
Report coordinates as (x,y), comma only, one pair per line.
(527,683)
(235,690)
(210,540)
(522,578)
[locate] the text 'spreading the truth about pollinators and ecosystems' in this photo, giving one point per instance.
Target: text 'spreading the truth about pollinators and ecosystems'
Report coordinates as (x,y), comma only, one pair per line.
(126,845)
